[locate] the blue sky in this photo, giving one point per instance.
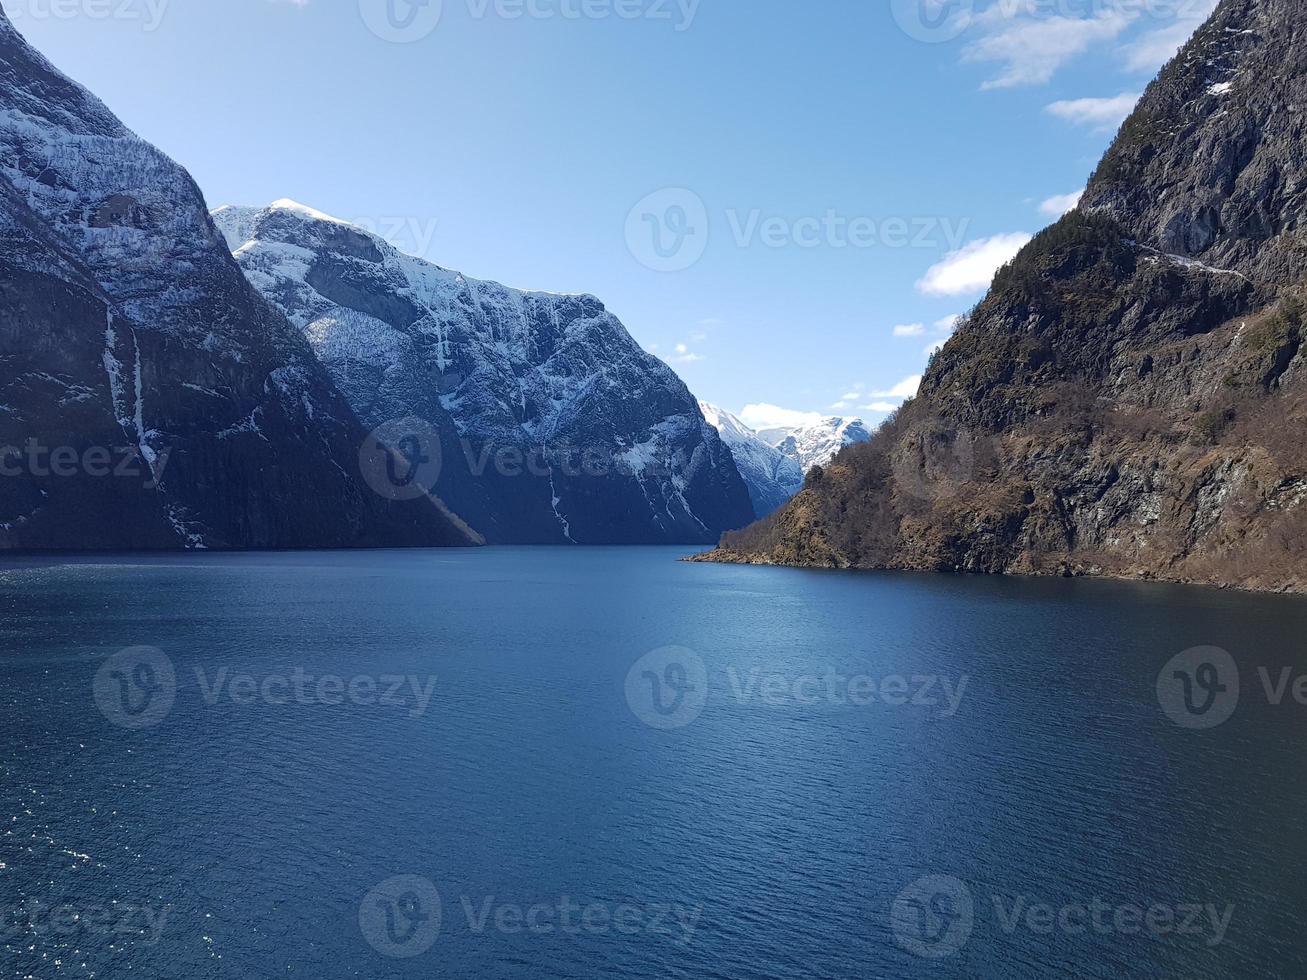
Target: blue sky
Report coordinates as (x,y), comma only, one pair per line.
(828,182)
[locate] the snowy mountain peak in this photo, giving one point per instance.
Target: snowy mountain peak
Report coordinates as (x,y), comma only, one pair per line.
(819,443)
(295,207)
(771,476)
(724,422)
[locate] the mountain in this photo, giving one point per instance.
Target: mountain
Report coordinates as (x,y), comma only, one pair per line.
(771,476)
(1130,398)
(816,444)
(149,397)
(553,425)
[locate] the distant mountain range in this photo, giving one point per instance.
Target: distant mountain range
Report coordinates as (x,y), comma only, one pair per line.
(816,444)
(553,424)
(771,476)
(774,461)
(1130,398)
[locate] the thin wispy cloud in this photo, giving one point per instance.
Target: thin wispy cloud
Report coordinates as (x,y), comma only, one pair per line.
(1155,48)
(683,355)
(1101,115)
(889,400)
(1029,43)
(907,388)
(1060,204)
(1031,49)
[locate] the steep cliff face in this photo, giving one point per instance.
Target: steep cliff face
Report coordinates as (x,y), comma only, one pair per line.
(1130,399)
(554,426)
(183,409)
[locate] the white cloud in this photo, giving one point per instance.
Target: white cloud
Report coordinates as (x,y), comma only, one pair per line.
(684,355)
(972,267)
(880,408)
(907,388)
(1155,48)
(934,346)
(762,415)
(909,330)
(1103,115)
(1060,204)
(1032,49)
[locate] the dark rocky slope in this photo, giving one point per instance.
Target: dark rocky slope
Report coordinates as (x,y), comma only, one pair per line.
(1130,399)
(184,410)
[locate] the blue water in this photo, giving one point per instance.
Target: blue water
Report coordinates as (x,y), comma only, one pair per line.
(775,820)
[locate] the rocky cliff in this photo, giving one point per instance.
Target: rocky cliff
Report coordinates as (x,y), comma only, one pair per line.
(149,397)
(1130,398)
(551,424)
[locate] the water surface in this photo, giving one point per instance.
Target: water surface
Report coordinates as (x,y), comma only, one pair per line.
(789,817)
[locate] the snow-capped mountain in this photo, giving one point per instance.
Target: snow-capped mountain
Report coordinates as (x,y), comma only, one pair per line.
(771,476)
(817,444)
(554,425)
(127,332)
